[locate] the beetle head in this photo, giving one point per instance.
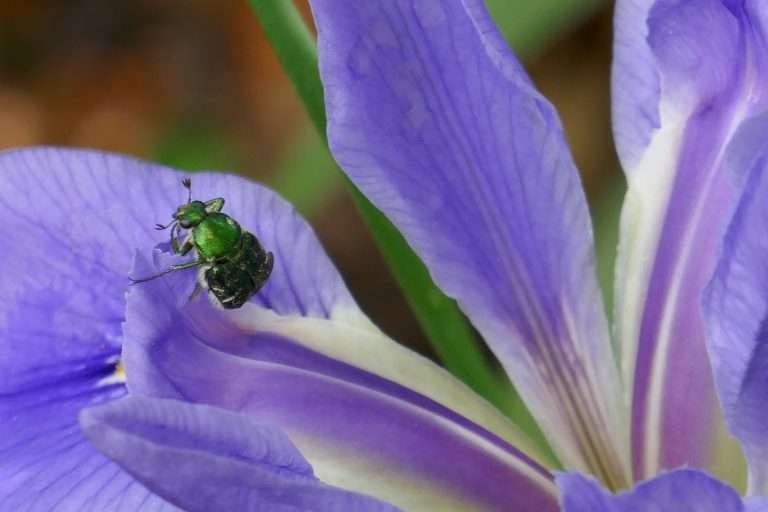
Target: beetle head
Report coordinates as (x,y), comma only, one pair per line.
(191,214)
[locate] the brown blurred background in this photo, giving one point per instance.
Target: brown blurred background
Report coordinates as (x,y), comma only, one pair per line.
(195,84)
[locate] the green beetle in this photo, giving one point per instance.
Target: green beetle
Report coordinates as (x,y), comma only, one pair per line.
(233,265)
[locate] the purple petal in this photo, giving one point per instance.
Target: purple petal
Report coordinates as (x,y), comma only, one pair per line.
(45,461)
(61,306)
(67,236)
(202,458)
(634,82)
(434,120)
(336,329)
(680,195)
(682,490)
(756,505)
(360,431)
(72,222)
(736,315)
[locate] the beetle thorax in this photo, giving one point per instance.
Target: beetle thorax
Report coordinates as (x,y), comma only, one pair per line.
(216,236)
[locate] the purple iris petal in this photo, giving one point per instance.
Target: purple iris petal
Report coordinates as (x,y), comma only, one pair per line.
(73,221)
(680,195)
(69,219)
(634,82)
(681,490)
(45,461)
(736,314)
(435,121)
(203,458)
(360,431)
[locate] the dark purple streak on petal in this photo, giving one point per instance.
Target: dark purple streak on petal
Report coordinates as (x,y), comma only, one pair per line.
(433,118)
(359,431)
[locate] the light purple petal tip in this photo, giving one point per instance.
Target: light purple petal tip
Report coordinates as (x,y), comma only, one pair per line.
(735,311)
(635,88)
(433,118)
(207,459)
(682,490)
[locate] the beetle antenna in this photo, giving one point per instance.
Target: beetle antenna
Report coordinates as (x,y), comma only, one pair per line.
(187,182)
(160,227)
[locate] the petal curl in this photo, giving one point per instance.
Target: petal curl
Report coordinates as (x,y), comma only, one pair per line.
(359,429)
(207,459)
(679,196)
(735,310)
(681,490)
(435,121)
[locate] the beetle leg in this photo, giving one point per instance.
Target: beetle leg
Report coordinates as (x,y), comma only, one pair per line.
(174,238)
(195,292)
(186,246)
(214,205)
(172,268)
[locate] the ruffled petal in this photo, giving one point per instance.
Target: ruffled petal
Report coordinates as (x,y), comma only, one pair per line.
(681,490)
(359,426)
(679,197)
(736,315)
(206,459)
(435,121)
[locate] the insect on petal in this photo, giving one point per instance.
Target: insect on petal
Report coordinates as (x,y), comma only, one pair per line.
(342,394)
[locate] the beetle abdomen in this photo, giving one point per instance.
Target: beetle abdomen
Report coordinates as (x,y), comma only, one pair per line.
(235,279)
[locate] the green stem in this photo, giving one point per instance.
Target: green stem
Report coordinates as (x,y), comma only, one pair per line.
(295,49)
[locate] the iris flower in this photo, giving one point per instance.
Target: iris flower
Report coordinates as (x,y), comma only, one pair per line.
(117,397)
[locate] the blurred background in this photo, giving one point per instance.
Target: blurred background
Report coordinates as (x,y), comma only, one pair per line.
(194,84)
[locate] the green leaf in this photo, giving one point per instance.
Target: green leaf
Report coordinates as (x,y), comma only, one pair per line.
(295,48)
(530,25)
(307,176)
